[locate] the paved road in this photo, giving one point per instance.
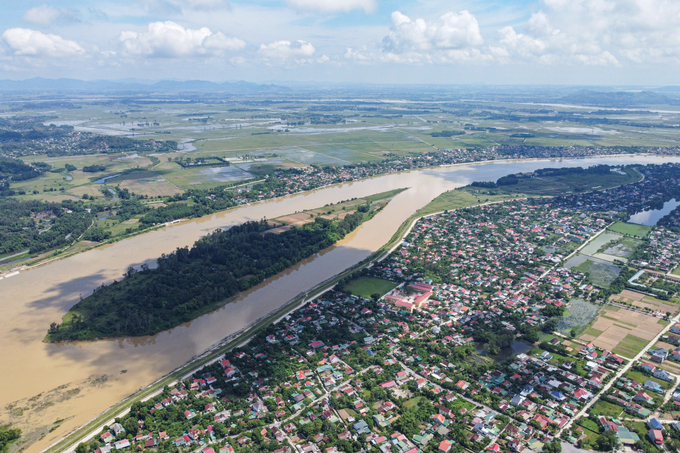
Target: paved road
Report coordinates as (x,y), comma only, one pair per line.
(620,373)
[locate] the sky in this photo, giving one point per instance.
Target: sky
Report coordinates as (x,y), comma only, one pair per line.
(562,42)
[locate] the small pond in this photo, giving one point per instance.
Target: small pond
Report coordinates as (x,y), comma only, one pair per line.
(518,347)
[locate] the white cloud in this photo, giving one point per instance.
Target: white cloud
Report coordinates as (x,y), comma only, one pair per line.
(360,55)
(450,31)
(452,37)
(33,43)
(171,40)
(45,15)
(596,32)
(286,50)
(332,6)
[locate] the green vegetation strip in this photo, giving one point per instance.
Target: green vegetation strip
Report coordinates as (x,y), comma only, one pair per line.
(618,320)
(592,331)
(630,346)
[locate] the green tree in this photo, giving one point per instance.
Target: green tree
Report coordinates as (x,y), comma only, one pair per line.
(607,441)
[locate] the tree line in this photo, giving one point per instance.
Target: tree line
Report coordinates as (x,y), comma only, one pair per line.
(191,281)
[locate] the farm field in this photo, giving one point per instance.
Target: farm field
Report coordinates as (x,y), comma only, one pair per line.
(601,273)
(644,301)
(268,135)
(624,332)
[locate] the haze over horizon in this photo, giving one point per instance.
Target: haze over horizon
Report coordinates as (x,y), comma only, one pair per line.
(601,42)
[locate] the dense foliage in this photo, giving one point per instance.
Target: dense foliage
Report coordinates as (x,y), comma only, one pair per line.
(205,201)
(510,180)
(93,168)
(446,133)
(188,282)
(38,226)
(17,170)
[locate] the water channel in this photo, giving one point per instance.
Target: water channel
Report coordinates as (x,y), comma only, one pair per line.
(43,383)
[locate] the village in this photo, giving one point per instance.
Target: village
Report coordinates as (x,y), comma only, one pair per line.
(465,352)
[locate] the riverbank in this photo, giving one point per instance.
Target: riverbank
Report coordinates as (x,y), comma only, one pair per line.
(74,249)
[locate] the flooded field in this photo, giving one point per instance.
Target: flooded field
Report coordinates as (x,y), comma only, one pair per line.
(596,244)
(60,386)
(223,174)
(581,313)
(601,272)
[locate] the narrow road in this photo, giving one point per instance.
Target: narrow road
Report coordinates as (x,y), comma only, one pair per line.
(458,395)
(616,377)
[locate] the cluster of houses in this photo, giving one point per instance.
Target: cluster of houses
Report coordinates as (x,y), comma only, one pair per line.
(495,259)
(663,248)
(498,258)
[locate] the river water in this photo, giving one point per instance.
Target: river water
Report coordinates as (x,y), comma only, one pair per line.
(71,383)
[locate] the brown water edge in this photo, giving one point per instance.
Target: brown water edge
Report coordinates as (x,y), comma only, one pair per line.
(31,300)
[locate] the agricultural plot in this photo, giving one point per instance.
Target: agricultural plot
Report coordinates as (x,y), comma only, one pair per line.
(619,249)
(624,332)
(599,242)
(643,301)
(631,229)
(600,272)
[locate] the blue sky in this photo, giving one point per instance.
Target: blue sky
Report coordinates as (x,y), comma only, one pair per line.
(608,42)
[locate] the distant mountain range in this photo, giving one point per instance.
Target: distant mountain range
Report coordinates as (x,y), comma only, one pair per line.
(39,84)
(619,98)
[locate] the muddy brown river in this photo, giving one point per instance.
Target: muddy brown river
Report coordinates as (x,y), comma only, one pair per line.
(47,387)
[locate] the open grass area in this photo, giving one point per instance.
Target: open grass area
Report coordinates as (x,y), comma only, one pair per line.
(631,229)
(630,346)
(366,286)
(413,402)
(641,377)
(460,198)
(638,427)
(605,408)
